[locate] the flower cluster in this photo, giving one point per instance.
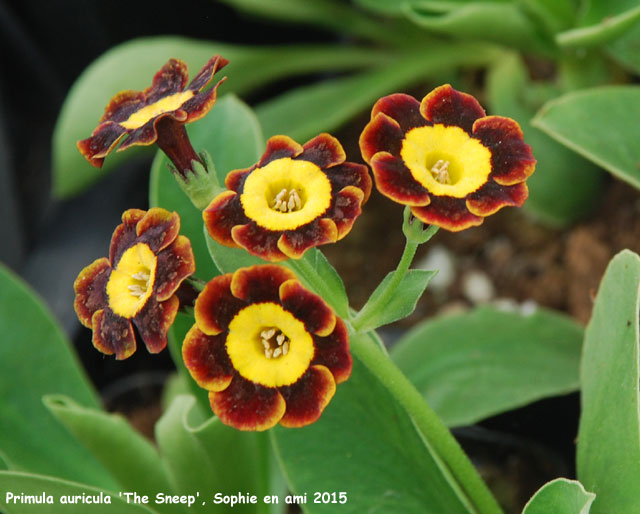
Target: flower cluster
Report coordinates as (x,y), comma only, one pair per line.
(148,260)
(296,197)
(445,159)
(268,350)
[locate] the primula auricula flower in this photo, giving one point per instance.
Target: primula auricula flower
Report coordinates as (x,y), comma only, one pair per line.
(445,158)
(156,115)
(147,262)
(266,349)
(294,198)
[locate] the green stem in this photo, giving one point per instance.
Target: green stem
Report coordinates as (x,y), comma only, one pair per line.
(435,434)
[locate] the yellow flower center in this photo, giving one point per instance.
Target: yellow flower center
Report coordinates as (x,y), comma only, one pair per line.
(286,194)
(267,345)
(148,112)
(131,283)
(446,160)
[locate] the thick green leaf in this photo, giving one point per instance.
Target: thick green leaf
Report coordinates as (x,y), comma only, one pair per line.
(609,435)
(400,305)
(38,485)
(474,365)
(36,359)
(599,124)
(601,22)
(564,185)
(626,49)
(132,66)
(553,15)
(328,105)
(469,21)
(560,496)
(210,457)
(232,136)
(130,457)
(332,14)
(366,446)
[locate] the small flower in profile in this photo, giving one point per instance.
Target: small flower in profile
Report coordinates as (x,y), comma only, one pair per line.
(296,197)
(267,350)
(445,159)
(156,115)
(137,284)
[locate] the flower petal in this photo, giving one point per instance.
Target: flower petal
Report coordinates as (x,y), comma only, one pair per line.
(324,151)
(112,334)
(234,180)
(294,243)
(207,72)
(90,290)
(175,263)
(447,212)
(260,283)
(447,106)
(158,228)
(223,213)
(333,352)
(125,234)
(258,241)
(198,106)
(279,147)
(207,360)
(172,78)
(104,139)
(247,406)
(123,105)
(308,397)
(404,109)
(216,306)
(394,180)
(350,174)
(154,321)
(317,316)
(492,197)
(382,133)
(346,208)
(511,158)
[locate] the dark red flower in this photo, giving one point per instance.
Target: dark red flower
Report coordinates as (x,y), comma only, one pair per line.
(267,350)
(445,158)
(147,262)
(156,115)
(296,197)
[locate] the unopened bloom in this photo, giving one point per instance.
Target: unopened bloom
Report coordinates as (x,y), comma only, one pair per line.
(136,285)
(445,159)
(296,197)
(156,115)
(267,350)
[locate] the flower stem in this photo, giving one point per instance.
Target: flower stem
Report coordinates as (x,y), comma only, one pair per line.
(454,462)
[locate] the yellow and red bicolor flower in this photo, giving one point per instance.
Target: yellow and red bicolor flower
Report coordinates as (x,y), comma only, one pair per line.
(137,284)
(156,115)
(296,197)
(445,159)
(267,350)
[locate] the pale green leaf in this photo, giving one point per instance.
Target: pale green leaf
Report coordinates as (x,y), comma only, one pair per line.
(474,365)
(400,305)
(560,496)
(608,459)
(37,359)
(599,124)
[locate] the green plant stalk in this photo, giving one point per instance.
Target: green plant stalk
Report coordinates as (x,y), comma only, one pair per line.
(264,458)
(455,463)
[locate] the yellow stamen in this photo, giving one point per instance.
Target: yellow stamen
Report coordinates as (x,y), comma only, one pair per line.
(440,171)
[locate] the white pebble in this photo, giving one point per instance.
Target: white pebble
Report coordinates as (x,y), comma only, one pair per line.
(440,259)
(477,287)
